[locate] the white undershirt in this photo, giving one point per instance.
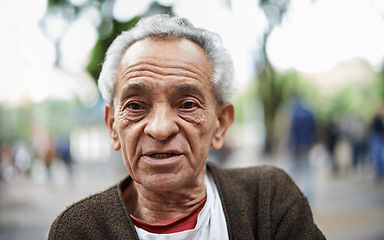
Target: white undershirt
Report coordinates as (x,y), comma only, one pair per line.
(210,225)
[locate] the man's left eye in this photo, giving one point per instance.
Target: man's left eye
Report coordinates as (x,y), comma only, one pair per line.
(188,105)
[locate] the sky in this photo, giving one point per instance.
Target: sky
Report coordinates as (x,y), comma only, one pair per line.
(313,37)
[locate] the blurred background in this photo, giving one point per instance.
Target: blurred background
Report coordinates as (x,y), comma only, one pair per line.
(310,91)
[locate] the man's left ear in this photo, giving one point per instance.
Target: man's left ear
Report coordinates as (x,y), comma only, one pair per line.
(225,117)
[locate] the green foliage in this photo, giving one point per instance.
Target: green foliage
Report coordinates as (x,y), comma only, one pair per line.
(54,2)
(98,52)
(247,96)
(15,124)
(380,81)
(56,117)
(285,85)
(356,99)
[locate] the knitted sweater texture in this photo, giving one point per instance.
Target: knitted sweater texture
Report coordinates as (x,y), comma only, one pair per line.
(259,203)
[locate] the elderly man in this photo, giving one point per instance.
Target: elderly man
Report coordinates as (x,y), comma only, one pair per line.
(167,87)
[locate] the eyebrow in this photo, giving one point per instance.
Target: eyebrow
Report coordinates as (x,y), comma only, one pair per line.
(142,88)
(133,88)
(188,88)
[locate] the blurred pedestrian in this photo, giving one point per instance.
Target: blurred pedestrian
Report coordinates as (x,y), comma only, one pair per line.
(302,137)
(6,163)
(331,139)
(63,152)
(48,157)
(358,135)
(376,144)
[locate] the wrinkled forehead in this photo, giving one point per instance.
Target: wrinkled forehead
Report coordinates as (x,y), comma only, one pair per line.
(162,59)
(176,49)
(176,56)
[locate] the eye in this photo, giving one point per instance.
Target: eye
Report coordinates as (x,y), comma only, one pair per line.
(188,105)
(134,106)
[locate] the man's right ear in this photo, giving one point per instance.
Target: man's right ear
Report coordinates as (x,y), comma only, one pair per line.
(109,118)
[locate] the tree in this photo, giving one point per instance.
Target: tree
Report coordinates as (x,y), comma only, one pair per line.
(107,28)
(269,91)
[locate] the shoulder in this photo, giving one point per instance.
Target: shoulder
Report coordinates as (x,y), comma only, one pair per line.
(91,204)
(264,174)
(86,217)
(266,198)
(268,181)
(85,210)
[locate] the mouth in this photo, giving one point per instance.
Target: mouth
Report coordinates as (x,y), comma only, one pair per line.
(162,155)
(162,158)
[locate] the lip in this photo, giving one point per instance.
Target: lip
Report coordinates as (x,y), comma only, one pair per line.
(152,157)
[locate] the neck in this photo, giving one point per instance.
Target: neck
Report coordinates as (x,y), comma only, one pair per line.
(152,207)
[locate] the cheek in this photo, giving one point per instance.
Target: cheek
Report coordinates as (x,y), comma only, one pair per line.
(196,118)
(207,122)
(129,133)
(126,118)
(127,122)
(202,133)
(200,118)
(129,140)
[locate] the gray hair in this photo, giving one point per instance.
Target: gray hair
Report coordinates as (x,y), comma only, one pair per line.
(165,27)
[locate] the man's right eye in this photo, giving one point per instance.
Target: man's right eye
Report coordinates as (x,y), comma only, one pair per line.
(134,106)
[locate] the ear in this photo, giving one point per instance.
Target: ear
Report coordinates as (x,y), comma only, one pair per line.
(109,119)
(225,117)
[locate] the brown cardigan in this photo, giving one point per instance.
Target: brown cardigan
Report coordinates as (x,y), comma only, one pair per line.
(259,203)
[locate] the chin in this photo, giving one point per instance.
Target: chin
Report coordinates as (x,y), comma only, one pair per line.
(165,182)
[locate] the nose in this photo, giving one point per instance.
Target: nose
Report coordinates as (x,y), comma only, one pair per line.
(161,124)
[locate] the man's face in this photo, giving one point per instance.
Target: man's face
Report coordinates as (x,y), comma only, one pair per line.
(165,116)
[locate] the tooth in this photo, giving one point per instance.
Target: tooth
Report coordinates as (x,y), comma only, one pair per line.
(162,155)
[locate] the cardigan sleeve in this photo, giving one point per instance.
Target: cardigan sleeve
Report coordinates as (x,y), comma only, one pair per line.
(97,217)
(297,223)
(264,203)
(291,215)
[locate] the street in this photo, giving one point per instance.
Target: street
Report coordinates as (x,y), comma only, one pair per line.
(349,206)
